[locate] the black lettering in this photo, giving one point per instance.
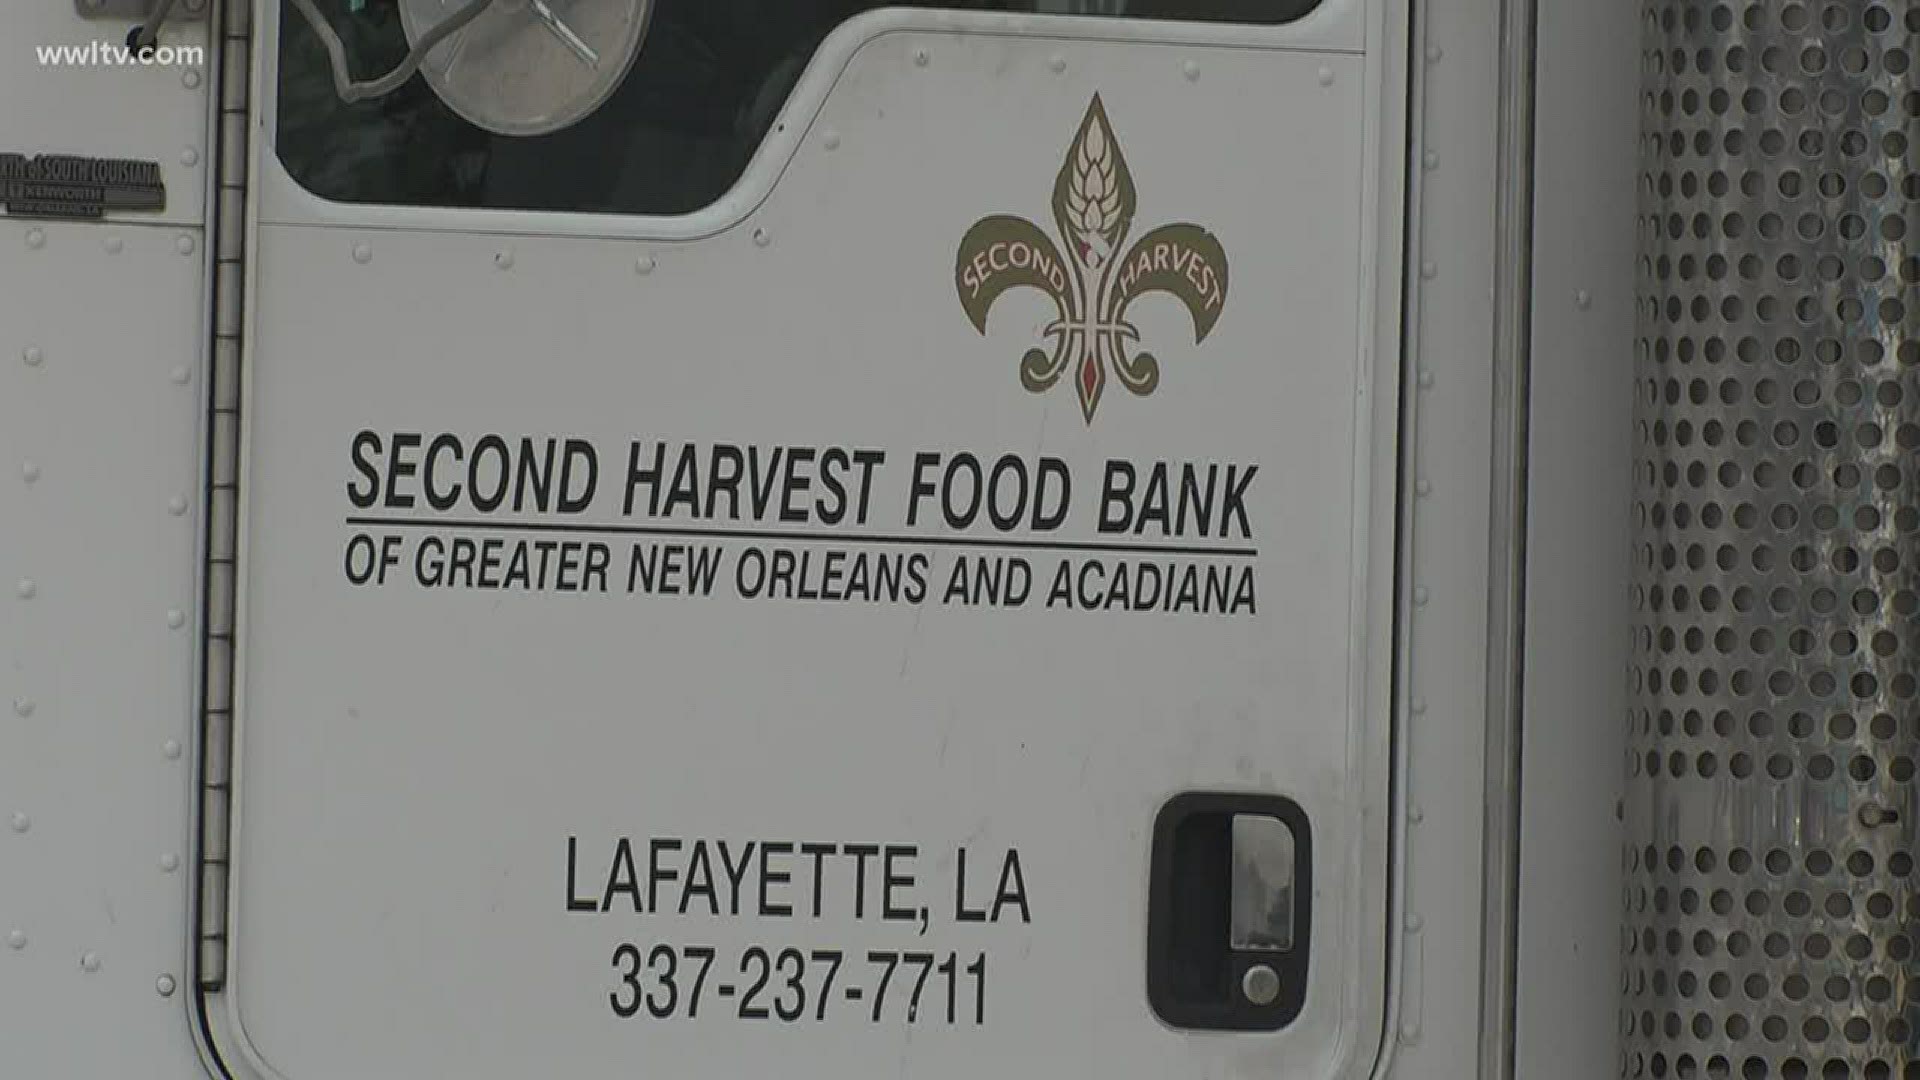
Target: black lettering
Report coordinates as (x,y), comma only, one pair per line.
(685,489)
(1235,507)
(889,881)
(638,477)
(970,465)
(656,873)
(495,446)
(576,902)
(1116,498)
(819,852)
(770,877)
(736,873)
(922,487)
(398,468)
(1013,888)
(365,444)
(725,479)
(580,455)
(621,878)
(867,460)
(535,473)
(699,879)
(860,853)
(762,484)
(832,507)
(1006,516)
(961,912)
(441,444)
(795,484)
(1044,519)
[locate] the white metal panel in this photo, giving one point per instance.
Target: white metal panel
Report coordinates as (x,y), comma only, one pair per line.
(101,394)
(1449,416)
(100,401)
(412,762)
(1577,614)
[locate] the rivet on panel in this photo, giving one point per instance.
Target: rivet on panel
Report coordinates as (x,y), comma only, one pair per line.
(176,618)
(1416,813)
(189,157)
(762,237)
(1584,299)
(1414,924)
(177,505)
(1191,69)
(21,823)
(1419,706)
(1426,378)
(171,748)
(184,244)
(830,139)
(1057,64)
(115,245)
(23,707)
(190,80)
(165,985)
(1410,1032)
(179,375)
(36,238)
(1428,270)
(1421,596)
(643,265)
(1433,54)
(17,940)
(1326,76)
(503,259)
(90,962)
(1424,486)
(30,471)
(362,254)
(33,356)
(921,57)
(1431,160)
(169,862)
(25,588)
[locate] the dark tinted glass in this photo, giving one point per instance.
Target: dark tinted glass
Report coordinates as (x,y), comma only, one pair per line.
(710,78)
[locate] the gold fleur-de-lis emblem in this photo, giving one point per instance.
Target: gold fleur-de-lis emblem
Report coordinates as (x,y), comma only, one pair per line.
(1091,286)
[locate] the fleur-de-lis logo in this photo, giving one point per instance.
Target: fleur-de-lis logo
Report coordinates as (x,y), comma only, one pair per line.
(1091,286)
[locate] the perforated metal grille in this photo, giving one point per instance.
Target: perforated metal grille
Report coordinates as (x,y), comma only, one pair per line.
(1771,910)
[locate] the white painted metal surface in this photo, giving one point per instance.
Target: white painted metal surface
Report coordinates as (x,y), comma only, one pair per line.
(1575,731)
(101,399)
(1442,668)
(416,763)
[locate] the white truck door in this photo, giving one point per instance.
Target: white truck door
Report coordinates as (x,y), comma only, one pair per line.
(870,555)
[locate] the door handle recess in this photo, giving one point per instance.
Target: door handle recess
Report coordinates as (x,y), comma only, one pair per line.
(1229,913)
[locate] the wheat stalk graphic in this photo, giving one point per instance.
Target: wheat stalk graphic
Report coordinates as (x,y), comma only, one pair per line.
(1093,196)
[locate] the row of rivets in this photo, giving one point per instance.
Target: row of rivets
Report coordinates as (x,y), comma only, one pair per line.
(33,357)
(1423,487)
(27,588)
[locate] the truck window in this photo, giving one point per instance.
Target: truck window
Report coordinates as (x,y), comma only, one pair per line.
(710,78)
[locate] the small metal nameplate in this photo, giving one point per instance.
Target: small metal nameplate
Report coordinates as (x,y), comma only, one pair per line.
(68,186)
